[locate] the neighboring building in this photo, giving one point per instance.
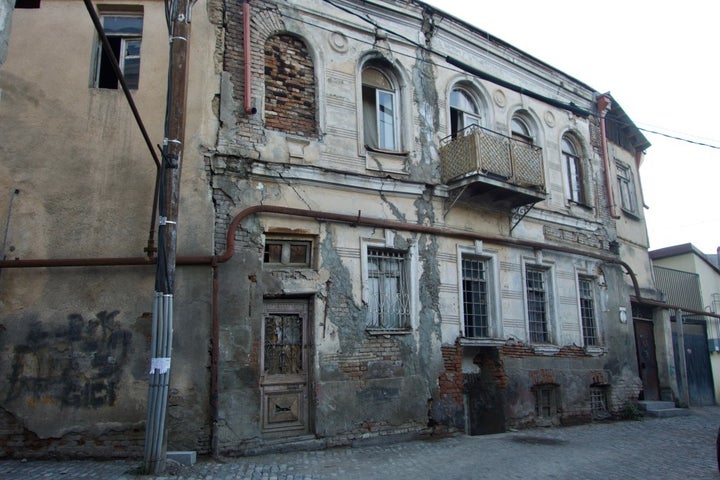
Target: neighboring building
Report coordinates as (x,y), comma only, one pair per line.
(690,279)
(390,221)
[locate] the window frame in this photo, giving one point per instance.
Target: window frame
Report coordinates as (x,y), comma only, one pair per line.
(587,307)
(575,185)
(102,66)
(461,119)
(626,189)
(408,269)
(287,242)
(372,92)
(527,134)
(549,338)
(553,396)
(494,326)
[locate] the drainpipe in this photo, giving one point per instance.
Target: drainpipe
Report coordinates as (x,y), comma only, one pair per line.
(604,104)
(249,109)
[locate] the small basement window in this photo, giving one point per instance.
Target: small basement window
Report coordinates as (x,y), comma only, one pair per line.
(286,252)
(546,400)
(599,401)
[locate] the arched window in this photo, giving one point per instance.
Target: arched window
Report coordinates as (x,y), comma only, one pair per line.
(574,189)
(464,111)
(290,90)
(380,98)
(520,130)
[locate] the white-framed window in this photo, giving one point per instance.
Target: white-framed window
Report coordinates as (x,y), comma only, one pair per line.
(478,293)
(626,187)
(464,111)
(380,108)
(389,285)
(539,303)
(389,299)
(124,33)
(574,184)
(586,293)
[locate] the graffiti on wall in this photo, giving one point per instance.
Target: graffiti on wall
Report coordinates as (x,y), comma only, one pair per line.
(78,364)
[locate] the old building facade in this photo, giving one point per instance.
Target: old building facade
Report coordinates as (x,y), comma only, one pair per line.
(391,221)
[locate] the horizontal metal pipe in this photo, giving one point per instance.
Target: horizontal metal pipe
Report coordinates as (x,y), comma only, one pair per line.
(348,219)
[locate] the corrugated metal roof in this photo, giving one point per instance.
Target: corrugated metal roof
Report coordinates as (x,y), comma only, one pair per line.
(680,288)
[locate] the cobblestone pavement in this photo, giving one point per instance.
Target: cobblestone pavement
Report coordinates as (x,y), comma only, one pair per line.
(671,448)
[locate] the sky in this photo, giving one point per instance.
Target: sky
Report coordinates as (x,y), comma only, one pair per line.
(659,61)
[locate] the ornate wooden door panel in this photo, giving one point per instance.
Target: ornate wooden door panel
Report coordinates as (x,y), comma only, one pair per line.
(284,380)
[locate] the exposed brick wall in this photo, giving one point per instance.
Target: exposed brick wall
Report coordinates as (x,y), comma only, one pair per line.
(18,442)
(375,350)
(289,86)
(451,380)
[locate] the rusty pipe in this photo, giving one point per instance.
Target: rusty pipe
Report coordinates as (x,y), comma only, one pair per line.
(604,104)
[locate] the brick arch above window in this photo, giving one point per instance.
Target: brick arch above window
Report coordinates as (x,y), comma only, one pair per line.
(290,87)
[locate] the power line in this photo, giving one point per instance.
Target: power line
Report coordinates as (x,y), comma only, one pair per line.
(682,139)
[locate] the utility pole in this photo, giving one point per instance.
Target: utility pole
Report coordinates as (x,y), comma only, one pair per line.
(179,14)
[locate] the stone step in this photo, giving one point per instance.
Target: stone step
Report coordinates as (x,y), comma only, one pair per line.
(654,408)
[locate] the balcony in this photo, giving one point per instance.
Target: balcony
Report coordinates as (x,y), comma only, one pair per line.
(484,167)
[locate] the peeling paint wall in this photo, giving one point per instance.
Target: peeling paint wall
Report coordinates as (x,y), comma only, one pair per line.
(77,181)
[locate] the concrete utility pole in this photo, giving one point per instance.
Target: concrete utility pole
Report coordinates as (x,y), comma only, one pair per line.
(179,13)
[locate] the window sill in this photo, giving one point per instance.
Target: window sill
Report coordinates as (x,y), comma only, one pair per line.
(545,349)
(388,331)
(630,214)
(595,351)
(482,341)
(386,161)
(583,206)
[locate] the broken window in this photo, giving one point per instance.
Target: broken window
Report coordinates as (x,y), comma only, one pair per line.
(587,312)
(574,189)
(124,33)
(381,119)
(537,304)
(287,252)
(626,186)
(476,310)
(388,293)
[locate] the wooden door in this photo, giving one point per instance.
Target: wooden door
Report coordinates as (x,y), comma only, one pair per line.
(647,362)
(284,379)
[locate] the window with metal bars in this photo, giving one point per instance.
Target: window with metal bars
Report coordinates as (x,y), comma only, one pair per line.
(283,344)
(475,297)
(388,295)
(599,401)
(546,400)
(537,304)
(587,312)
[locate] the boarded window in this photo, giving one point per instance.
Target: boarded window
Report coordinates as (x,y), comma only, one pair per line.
(290,91)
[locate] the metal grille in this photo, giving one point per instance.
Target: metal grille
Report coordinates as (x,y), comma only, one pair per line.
(475,301)
(598,402)
(537,305)
(283,344)
(527,165)
(389,299)
(587,312)
(477,150)
(546,401)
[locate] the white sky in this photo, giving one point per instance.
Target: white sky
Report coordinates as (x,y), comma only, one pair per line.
(659,60)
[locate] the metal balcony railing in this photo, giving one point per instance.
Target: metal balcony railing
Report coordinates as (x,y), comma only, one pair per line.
(476,150)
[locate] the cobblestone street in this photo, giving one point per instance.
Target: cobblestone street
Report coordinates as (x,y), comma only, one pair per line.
(672,448)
